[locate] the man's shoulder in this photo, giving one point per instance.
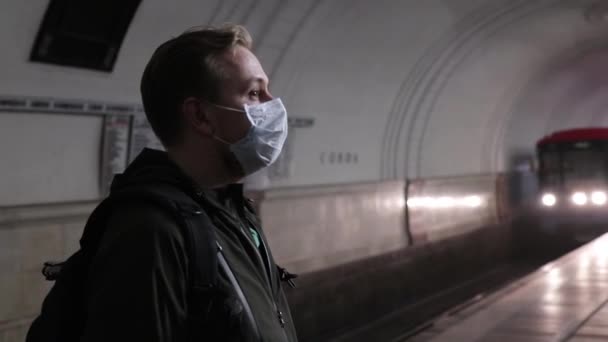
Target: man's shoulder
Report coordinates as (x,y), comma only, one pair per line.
(142,220)
(149,204)
(141,211)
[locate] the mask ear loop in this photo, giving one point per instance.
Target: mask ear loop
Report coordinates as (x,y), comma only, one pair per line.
(213,135)
(223,107)
(216,137)
(240,111)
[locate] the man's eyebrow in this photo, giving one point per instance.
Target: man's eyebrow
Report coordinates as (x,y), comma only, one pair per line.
(257,80)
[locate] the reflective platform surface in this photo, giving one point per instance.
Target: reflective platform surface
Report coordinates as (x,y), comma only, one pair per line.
(565,300)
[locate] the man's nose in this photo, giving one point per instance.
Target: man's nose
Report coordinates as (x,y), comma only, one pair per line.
(267,97)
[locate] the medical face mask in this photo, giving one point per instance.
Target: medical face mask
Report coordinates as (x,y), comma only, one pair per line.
(264,141)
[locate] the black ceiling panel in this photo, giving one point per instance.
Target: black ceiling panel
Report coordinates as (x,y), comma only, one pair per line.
(83,33)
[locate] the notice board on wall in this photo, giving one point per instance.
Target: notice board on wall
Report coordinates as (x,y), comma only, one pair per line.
(142,136)
(115,148)
(124,137)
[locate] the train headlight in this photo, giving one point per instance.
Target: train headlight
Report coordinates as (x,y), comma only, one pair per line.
(599,197)
(549,200)
(579,198)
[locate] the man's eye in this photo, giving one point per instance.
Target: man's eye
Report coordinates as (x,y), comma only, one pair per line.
(255,93)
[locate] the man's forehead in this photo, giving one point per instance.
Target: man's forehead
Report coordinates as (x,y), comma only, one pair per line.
(241,63)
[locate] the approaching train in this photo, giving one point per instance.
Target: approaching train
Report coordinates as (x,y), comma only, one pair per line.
(573,181)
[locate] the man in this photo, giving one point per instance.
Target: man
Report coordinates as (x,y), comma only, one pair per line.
(206,97)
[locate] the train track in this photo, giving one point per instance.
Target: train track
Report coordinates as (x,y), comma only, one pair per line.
(452,303)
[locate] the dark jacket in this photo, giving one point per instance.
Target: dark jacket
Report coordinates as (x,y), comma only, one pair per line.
(138,283)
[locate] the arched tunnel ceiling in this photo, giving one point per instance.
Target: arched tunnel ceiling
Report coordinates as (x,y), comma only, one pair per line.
(455,119)
(414,88)
(572,92)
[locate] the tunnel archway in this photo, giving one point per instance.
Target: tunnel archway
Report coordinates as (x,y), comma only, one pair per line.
(492,63)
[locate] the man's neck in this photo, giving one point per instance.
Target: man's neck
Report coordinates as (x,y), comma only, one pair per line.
(202,171)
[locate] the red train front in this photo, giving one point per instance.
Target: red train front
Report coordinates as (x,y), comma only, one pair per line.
(573,180)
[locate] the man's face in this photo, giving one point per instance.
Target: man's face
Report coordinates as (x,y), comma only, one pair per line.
(244,82)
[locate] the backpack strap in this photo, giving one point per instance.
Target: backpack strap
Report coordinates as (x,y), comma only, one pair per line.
(206,257)
(203,248)
(201,243)
(206,247)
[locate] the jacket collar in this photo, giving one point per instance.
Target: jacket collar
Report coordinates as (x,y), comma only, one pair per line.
(154,166)
(227,196)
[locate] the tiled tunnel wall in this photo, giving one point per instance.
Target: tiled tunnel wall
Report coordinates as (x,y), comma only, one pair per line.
(29,236)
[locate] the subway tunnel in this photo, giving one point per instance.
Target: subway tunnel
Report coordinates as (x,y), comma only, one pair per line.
(408,184)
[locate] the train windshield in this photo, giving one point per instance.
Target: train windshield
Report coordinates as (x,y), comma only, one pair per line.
(581,166)
(574,165)
(550,168)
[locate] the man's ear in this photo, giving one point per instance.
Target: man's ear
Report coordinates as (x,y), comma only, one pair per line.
(196,117)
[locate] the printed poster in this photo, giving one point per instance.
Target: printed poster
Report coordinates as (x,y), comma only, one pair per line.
(142,136)
(115,148)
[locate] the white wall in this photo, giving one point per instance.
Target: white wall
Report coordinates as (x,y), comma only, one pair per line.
(413,88)
(345,69)
(49,158)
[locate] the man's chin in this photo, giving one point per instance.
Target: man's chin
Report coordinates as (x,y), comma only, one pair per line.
(236,174)
(233,168)
(239,176)
(239,180)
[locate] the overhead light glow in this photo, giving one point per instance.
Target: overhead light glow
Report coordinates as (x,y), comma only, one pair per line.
(472,201)
(444,202)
